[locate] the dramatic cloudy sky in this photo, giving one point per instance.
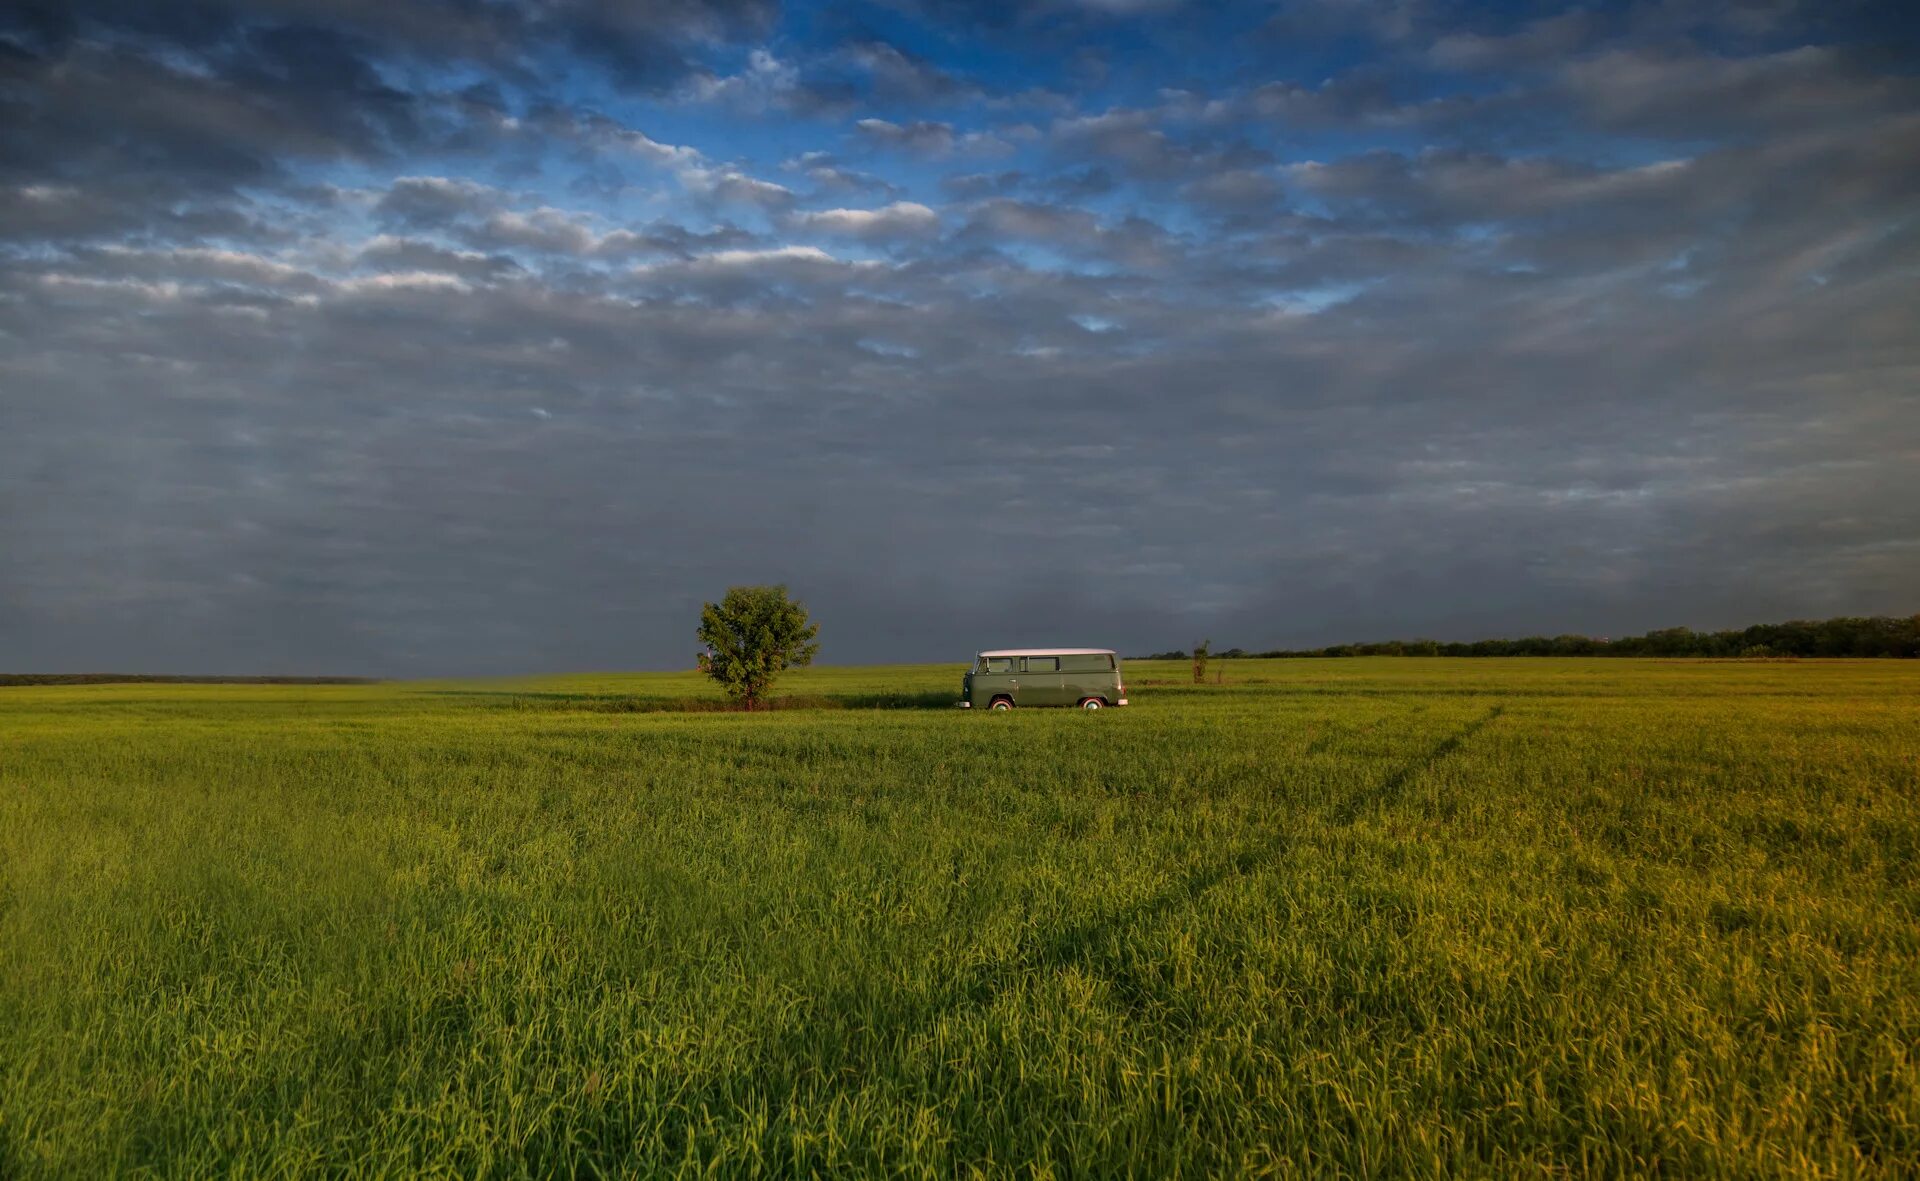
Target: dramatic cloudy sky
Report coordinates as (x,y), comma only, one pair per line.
(466,336)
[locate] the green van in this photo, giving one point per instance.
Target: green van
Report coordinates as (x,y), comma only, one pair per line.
(1086,677)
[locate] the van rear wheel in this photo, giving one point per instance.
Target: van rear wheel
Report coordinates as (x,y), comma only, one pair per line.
(1092,703)
(1002,704)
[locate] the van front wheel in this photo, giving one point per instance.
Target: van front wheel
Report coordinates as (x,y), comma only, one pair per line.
(1092,703)
(1002,704)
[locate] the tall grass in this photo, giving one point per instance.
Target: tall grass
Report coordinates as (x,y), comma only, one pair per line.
(1357,917)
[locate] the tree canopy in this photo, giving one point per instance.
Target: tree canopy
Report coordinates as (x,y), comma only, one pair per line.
(751,636)
(1848,636)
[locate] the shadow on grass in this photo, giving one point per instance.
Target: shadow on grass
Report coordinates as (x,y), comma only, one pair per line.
(851,1027)
(621,703)
(1389,789)
(1077,945)
(156,679)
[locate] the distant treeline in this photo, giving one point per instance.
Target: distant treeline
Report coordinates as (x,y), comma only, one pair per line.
(141,678)
(1880,635)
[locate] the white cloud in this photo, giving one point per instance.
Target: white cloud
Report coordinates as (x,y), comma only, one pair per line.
(611,136)
(648,148)
(138,287)
(47,193)
(735,187)
(925,137)
(765,82)
(899,218)
(234,266)
(735,258)
(545,228)
(404,281)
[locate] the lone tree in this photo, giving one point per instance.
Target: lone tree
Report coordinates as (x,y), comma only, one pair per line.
(1200,654)
(752,636)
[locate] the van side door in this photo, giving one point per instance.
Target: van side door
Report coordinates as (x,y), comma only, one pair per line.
(1041,683)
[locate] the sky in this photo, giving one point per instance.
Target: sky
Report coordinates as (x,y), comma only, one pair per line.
(465,337)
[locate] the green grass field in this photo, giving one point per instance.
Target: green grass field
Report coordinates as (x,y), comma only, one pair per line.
(1358,918)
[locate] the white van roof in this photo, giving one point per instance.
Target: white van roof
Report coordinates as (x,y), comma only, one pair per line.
(1049,652)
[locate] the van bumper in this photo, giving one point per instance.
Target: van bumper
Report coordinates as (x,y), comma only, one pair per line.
(964,704)
(1122,701)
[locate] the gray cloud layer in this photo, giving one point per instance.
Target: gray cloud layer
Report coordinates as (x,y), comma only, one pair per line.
(286,386)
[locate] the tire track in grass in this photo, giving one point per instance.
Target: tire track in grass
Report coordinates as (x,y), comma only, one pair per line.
(888,1018)
(1395,784)
(1075,945)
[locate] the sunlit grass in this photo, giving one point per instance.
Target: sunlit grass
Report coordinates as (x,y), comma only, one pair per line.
(1342,917)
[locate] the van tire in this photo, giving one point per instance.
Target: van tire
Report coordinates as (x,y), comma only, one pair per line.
(1002,704)
(1093,703)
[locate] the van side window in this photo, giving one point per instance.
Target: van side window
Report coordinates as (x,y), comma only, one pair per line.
(1043,664)
(999,664)
(1087,662)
